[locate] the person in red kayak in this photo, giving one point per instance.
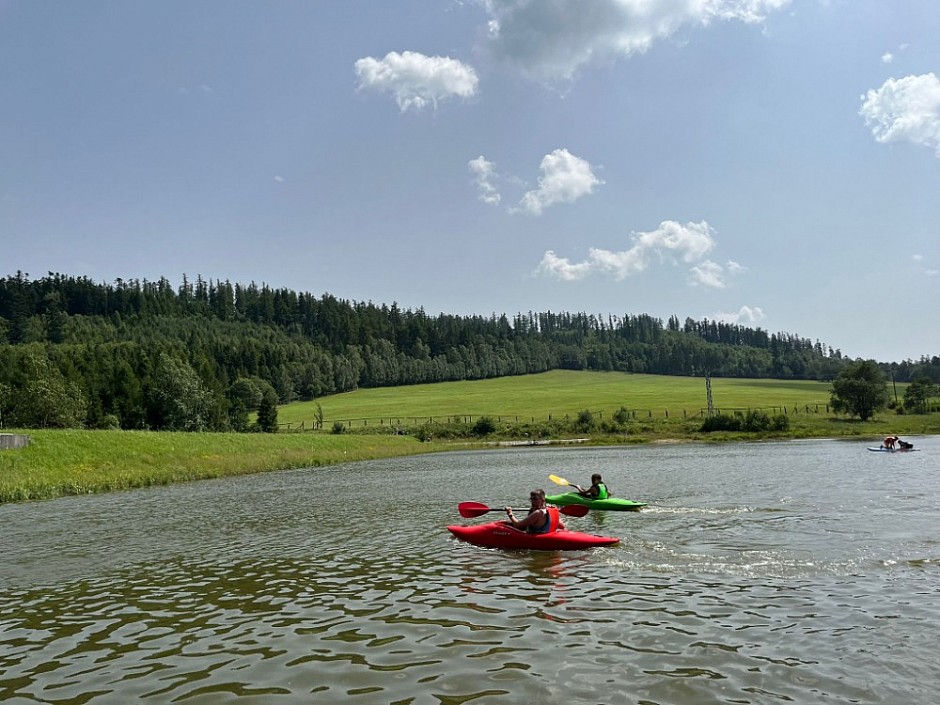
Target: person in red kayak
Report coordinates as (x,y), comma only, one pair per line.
(597,490)
(541,518)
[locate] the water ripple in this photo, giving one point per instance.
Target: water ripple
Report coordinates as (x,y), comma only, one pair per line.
(785,595)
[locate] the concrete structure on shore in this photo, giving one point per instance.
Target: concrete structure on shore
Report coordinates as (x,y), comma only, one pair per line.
(9,441)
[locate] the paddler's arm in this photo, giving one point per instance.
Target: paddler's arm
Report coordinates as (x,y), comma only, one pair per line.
(522,523)
(581,491)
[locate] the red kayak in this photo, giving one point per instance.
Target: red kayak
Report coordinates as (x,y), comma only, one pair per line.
(498,534)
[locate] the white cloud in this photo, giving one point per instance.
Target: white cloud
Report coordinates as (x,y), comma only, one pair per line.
(671,240)
(919,261)
(553,40)
(565,178)
(692,240)
(745,315)
(417,81)
(484,174)
(887,57)
(712,274)
(708,273)
(562,268)
(905,109)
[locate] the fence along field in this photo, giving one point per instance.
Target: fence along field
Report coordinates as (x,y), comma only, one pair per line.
(557,394)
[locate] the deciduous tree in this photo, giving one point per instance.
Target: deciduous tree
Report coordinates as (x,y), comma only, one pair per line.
(861,389)
(41,397)
(178,399)
(918,393)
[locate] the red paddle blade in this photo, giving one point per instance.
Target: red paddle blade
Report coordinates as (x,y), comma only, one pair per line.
(472,509)
(574,510)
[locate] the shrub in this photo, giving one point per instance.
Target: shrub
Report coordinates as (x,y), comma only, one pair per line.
(622,416)
(756,421)
(721,422)
(585,421)
(424,433)
(338,427)
(108,422)
(484,426)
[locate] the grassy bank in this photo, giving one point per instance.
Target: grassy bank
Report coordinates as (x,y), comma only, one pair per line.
(534,407)
(60,463)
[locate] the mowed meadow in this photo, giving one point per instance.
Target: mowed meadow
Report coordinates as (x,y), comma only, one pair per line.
(558,393)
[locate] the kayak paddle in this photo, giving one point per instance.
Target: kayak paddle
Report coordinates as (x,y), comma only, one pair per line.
(564,483)
(476,509)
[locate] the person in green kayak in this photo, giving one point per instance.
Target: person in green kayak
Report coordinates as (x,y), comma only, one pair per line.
(541,518)
(597,490)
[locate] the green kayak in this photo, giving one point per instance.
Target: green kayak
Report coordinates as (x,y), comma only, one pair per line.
(611,504)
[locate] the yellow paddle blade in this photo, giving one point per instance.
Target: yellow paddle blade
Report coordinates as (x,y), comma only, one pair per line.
(558,480)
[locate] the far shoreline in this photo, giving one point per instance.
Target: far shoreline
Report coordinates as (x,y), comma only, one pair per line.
(60,463)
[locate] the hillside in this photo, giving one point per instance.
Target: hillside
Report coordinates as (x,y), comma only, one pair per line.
(202,355)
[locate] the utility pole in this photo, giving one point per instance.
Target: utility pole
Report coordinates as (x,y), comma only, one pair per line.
(708,393)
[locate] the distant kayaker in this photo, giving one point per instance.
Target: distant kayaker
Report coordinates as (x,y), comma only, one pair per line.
(541,518)
(889,442)
(597,490)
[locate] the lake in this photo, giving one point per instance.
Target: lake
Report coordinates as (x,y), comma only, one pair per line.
(800,571)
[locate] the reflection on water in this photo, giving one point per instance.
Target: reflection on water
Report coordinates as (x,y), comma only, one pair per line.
(800,572)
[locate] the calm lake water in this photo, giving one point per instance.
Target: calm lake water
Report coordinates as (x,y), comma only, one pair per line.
(805,572)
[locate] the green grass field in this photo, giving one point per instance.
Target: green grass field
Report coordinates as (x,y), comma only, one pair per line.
(556,394)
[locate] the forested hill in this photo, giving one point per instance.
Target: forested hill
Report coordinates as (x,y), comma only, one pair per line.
(120,352)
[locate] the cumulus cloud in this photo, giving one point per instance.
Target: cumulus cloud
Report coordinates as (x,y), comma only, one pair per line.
(565,178)
(673,241)
(887,57)
(714,275)
(553,40)
(415,80)
(484,175)
(745,315)
(562,268)
(905,109)
(707,273)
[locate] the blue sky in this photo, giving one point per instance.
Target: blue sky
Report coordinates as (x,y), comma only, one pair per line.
(770,162)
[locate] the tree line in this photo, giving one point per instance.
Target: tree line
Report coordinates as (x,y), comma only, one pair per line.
(205,354)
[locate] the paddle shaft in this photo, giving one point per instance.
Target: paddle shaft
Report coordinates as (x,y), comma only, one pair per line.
(476,509)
